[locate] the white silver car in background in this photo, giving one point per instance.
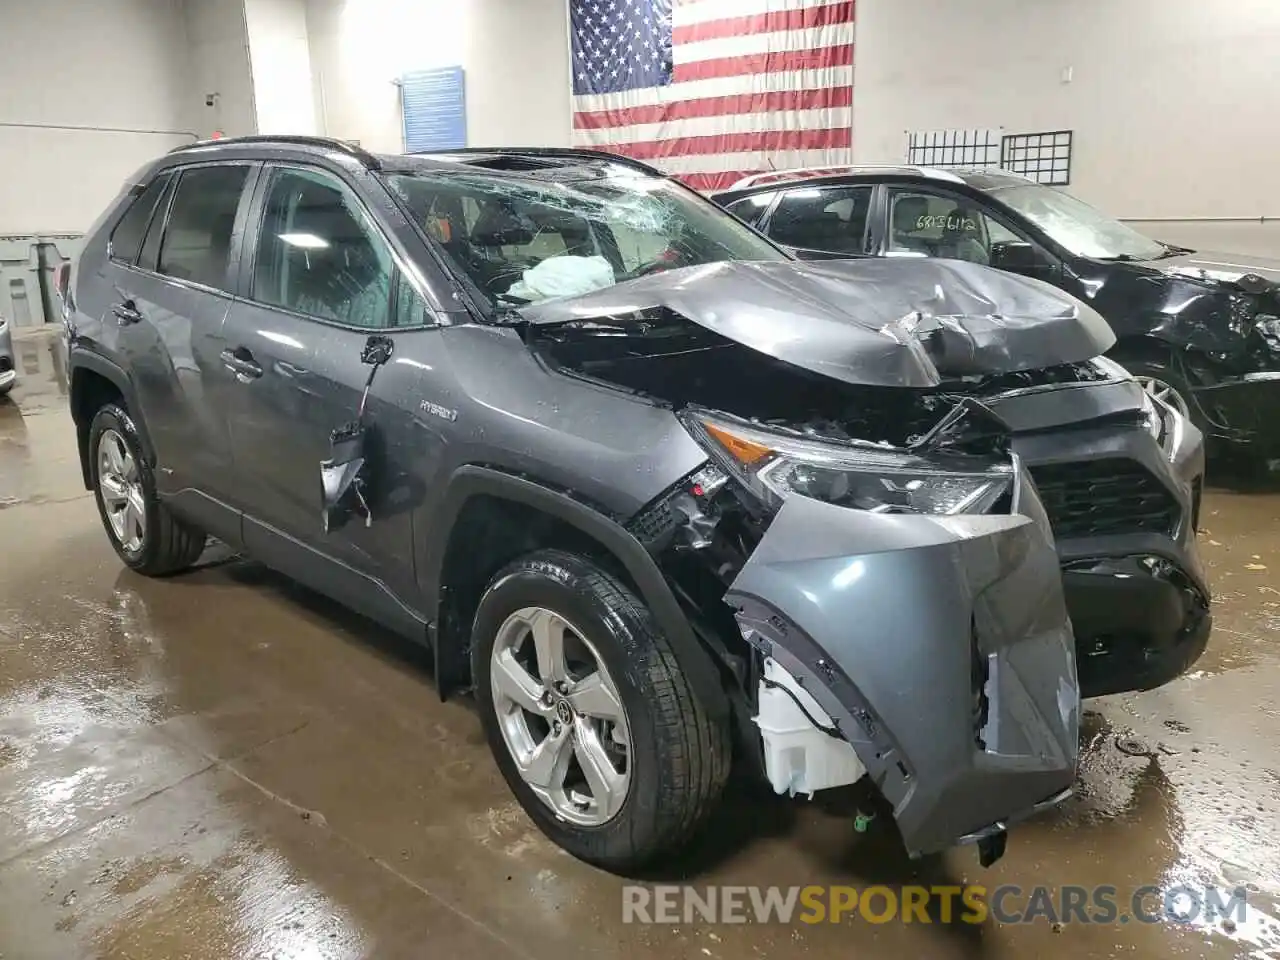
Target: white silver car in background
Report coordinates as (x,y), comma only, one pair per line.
(8,362)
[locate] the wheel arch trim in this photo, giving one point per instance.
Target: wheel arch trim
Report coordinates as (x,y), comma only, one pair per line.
(472,480)
(114,374)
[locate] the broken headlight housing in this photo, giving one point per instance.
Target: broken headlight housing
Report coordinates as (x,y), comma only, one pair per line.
(775,465)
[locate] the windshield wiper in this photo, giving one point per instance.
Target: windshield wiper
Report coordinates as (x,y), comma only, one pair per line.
(1173,251)
(1121,258)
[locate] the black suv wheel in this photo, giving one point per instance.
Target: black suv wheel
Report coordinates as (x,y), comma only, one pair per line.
(147,537)
(587,712)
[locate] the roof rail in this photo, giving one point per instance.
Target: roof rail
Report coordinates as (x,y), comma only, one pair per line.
(791,173)
(568,153)
(291,139)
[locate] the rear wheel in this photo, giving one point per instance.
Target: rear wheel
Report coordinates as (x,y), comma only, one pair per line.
(144,533)
(590,719)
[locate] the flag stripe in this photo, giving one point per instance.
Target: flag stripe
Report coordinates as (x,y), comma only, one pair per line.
(711,182)
(762,140)
(801,18)
(683,166)
(685,13)
(786,40)
(823,118)
(768,102)
(840,56)
(668,97)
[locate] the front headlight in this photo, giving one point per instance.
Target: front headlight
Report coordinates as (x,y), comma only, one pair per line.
(775,465)
(1269,327)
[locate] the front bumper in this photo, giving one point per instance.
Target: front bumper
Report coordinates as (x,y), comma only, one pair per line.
(1241,411)
(1135,587)
(941,648)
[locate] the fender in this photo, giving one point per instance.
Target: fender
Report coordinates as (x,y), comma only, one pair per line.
(82,359)
(470,481)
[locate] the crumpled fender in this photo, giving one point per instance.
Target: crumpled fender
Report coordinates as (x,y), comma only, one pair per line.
(900,626)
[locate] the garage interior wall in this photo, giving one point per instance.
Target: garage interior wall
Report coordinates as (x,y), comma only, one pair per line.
(219,44)
(1173,102)
(78,115)
(514,54)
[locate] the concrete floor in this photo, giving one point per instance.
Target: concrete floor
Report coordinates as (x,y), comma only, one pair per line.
(224,765)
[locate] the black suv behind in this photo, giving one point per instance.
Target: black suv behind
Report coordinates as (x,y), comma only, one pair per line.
(1200,330)
(660,494)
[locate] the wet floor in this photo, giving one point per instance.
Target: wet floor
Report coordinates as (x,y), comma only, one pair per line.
(225,765)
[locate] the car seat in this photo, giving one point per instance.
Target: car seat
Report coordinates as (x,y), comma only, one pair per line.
(907,212)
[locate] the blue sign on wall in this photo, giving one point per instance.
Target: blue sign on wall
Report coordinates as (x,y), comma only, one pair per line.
(435,110)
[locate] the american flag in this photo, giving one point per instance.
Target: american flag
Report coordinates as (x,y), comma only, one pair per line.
(712,90)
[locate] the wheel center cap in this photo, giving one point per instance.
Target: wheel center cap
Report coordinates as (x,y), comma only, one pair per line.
(564,712)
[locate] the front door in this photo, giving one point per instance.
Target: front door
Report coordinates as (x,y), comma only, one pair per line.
(320,279)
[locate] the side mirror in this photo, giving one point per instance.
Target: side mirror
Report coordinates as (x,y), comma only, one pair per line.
(377,350)
(1022,258)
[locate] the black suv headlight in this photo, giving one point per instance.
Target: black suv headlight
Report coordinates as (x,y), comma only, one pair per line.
(1269,327)
(775,465)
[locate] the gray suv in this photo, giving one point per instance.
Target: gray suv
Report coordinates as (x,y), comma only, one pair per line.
(664,498)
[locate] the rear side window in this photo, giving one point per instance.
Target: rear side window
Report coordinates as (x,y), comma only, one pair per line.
(832,219)
(751,208)
(126,239)
(197,238)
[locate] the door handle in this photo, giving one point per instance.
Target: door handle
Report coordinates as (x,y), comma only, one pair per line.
(240,362)
(126,312)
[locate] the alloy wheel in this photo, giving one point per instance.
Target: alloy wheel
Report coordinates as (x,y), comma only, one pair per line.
(1164,392)
(120,484)
(561,716)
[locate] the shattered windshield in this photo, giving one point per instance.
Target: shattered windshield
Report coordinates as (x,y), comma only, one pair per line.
(1078,227)
(525,240)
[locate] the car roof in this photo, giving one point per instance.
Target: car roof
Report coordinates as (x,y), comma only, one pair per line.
(528,161)
(978,178)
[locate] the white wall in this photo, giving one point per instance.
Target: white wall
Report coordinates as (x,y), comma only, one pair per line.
(1175,104)
(281,60)
(218,44)
(514,54)
(85,63)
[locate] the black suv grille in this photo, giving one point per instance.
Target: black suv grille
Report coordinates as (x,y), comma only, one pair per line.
(1101,497)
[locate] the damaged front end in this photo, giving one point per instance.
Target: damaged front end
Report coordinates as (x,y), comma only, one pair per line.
(864,550)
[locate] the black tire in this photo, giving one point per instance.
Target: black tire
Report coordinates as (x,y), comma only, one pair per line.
(169,545)
(680,755)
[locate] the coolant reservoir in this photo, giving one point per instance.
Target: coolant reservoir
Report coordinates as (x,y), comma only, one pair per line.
(798,756)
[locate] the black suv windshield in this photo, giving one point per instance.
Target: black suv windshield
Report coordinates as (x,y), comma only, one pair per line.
(1075,225)
(526,240)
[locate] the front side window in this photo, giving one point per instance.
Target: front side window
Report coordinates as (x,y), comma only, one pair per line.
(823,218)
(934,225)
(526,239)
(318,253)
(196,245)
(126,239)
(1076,226)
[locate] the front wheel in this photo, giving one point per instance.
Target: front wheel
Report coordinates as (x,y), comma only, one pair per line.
(590,719)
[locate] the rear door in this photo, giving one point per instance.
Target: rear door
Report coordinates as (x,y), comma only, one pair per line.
(823,222)
(171,260)
(319,277)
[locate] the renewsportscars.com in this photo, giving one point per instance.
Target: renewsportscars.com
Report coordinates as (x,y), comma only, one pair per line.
(972,903)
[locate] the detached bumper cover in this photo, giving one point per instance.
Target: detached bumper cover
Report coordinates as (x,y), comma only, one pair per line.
(939,645)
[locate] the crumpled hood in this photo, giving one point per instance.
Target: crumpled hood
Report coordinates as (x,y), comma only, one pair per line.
(892,322)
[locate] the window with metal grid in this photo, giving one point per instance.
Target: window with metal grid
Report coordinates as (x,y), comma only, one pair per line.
(954,148)
(1044,157)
